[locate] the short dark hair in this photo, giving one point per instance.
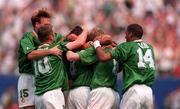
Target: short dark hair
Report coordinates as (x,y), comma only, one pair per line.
(36,17)
(136,30)
(77,30)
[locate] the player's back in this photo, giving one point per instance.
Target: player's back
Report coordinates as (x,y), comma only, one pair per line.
(50,72)
(138,63)
(104,74)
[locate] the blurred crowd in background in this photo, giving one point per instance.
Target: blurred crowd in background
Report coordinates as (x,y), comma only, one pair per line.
(159,18)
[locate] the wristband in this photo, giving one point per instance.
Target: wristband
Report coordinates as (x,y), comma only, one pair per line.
(96,44)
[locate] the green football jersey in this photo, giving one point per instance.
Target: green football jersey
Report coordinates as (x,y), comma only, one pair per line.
(26,44)
(50,72)
(137,59)
(83,70)
(104,74)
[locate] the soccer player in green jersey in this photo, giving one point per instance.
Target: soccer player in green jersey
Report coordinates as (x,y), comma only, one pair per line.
(27,52)
(102,81)
(137,61)
(50,73)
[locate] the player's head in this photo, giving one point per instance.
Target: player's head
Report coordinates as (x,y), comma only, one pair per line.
(133,32)
(95,32)
(74,33)
(104,39)
(44,33)
(99,34)
(41,18)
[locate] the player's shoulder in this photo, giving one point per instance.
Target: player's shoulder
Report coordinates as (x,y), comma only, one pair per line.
(149,45)
(90,49)
(87,50)
(58,35)
(146,45)
(27,35)
(127,44)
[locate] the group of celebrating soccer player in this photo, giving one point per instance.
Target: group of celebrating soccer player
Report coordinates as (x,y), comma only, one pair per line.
(79,71)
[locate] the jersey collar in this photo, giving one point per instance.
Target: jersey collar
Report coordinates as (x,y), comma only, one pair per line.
(139,40)
(35,34)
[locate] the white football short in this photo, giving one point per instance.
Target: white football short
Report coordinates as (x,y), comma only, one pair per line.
(78,98)
(137,97)
(117,100)
(26,88)
(103,98)
(53,99)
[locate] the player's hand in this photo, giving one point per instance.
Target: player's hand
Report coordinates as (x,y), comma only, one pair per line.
(104,39)
(56,51)
(96,44)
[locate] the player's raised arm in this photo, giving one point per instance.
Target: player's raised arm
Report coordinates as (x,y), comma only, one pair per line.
(79,41)
(102,55)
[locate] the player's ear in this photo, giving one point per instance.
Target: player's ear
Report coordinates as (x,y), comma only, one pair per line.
(130,34)
(37,25)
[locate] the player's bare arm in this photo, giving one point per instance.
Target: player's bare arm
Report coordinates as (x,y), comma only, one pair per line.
(36,54)
(79,41)
(102,55)
(72,56)
(103,40)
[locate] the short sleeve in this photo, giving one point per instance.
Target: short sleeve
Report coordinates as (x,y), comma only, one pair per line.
(27,45)
(120,52)
(88,56)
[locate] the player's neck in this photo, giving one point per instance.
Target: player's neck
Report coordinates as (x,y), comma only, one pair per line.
(135,39)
